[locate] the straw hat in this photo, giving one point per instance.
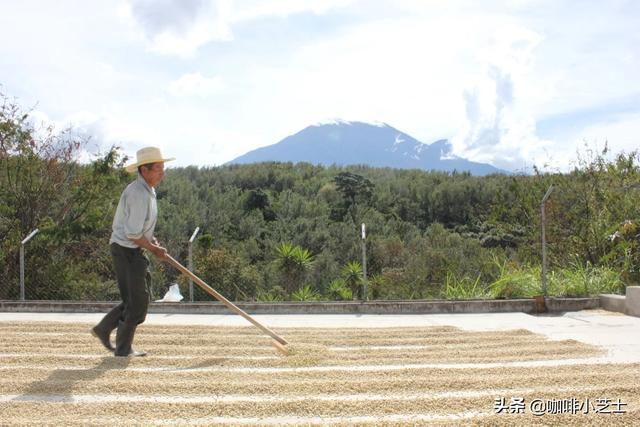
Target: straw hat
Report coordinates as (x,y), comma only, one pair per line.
(147,155)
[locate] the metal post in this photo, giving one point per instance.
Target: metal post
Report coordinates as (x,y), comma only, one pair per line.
(364,264)
(544,241)
(193,236)
(21,272)
(26,239)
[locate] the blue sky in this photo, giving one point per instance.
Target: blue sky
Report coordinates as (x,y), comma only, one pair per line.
(512,83)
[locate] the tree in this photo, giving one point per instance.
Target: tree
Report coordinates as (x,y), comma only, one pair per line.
(355,189)
(227,273)
(293,263)
(258,199)
(43,186)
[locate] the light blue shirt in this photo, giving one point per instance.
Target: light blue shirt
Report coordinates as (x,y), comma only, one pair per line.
(136,215)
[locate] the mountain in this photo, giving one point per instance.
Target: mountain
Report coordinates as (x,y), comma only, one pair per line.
(378,145)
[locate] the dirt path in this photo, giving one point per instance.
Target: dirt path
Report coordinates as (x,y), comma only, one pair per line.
(57,374)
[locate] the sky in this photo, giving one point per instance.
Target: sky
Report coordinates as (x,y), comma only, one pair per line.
(513,83)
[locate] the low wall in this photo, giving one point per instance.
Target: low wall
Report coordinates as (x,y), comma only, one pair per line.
(613,302)
(627,304)
(553,305)
(632,303)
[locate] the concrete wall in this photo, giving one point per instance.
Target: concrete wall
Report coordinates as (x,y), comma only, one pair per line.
(627,304)
(553,305)
(613,302)
(632,303)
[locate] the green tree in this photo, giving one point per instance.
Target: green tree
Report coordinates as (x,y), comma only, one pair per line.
(356,192)
(293,262)
(227,273)
(43,186)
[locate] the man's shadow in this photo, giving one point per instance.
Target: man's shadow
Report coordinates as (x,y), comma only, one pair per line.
(59,385)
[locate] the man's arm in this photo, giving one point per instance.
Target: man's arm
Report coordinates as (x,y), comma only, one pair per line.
(154,248)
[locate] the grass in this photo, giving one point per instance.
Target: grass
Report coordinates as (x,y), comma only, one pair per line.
(464,288)
(521,281)
(584,280)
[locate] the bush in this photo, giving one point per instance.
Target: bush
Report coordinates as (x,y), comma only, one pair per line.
(391,285)
(339,291)
(305,293)
(277,293)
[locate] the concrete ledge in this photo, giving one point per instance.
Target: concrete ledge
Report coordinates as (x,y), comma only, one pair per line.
(346,307)
(559,305)
(632,302)
(613,302)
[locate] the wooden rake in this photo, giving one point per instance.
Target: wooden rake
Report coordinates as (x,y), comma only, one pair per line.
(278,342)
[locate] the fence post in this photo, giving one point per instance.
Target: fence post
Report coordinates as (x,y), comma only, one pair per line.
(544,241)
(364,264)
(26,239)
(193,236)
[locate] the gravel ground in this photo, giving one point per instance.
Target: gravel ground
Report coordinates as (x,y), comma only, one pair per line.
(57,374)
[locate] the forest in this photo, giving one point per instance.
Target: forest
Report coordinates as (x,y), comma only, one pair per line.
(283,231)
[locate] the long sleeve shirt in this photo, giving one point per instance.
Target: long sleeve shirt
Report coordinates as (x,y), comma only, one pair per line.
(136,214)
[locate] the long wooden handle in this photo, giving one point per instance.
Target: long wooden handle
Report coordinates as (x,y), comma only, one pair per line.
(231,306)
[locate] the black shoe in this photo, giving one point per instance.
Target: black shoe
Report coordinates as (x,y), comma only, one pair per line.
(104,338)
(132,353)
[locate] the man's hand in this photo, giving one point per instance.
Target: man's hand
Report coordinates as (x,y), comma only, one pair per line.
(159,252)
(153,247)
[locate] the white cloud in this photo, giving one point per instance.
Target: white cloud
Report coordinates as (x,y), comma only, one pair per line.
(499,128)
(247,10)
(81,126)
(620,134)
(387,72)
(179,27)
(194,84)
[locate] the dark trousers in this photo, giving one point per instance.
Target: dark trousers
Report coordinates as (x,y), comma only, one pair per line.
(132,274)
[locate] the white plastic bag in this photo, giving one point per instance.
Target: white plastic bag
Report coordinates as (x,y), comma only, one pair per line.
(172,295)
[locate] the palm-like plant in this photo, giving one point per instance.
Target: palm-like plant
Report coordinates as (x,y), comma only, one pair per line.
(352,276)
(338,290)
(268,297)
(291,256)
(274,294)
(293,262)
(306,293)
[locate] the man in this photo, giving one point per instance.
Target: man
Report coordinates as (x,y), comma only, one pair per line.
(133,226)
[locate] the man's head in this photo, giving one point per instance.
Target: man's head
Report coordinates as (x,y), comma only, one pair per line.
(153,173)
(150,165)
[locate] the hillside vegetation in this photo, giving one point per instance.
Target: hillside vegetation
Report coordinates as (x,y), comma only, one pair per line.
(274,231)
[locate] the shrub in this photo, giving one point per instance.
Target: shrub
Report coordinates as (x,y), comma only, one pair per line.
(277,293)
(352,276)
(338,290)
(305,293)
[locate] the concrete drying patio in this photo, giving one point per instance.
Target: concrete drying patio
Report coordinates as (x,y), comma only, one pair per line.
(439,369)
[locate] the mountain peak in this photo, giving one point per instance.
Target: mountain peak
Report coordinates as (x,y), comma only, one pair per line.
(343,122)
(378,144)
